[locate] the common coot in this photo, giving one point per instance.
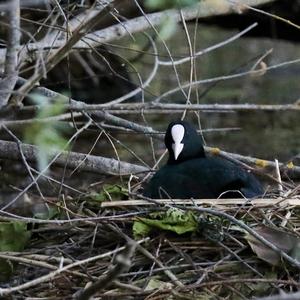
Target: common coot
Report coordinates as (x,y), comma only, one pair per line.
(189,173)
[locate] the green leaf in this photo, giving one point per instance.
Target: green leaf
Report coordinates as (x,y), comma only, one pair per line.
(168,28)
(173,220)
(13,237)
(157,284)
(140,229)
(109,192)
(48,136)
(48,214)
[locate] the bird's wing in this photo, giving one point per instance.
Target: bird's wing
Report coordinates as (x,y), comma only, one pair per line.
(224,176)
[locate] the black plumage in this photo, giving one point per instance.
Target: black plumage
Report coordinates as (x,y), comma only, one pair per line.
(189,173)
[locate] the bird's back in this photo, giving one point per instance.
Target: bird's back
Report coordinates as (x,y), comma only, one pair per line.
(206,177)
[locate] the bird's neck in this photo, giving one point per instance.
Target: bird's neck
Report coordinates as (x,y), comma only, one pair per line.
(172,161)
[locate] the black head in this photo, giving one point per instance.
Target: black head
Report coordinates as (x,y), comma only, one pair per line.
(183,142)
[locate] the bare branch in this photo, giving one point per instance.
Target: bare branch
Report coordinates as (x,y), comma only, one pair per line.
(123,262)
(154,107)
(261,202)
(260,238)
(90,163)
(53,274)
(202,10)
(293,171)
(58,55)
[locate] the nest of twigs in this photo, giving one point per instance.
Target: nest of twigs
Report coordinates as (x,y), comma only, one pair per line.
(237,250)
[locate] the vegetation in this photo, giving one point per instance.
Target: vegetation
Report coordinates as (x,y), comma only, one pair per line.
(86,90)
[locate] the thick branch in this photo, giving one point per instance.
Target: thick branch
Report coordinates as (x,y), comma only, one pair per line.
(90,163)
(154,107)
(261,202)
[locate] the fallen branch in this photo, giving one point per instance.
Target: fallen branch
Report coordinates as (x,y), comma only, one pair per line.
(33,262)
(123,262)
(148,254)
(250,231)
(89,163)
(261,202)
(290,170)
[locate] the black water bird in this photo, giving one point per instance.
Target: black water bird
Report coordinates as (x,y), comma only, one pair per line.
(189,173)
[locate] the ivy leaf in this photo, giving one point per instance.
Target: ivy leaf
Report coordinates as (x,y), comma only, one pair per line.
(110,192)
(13,237)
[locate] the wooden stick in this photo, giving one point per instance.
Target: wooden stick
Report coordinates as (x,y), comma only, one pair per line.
(216,202)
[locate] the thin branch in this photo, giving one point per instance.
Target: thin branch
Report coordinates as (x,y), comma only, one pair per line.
(21,123)
(52,275)
(227,77)
(249,230)
(7,216)
(209,49)
(58,55)
(291,171)
(260,202)
(35,262)
(140,24)
(146,253)
(123,262)
(284,20)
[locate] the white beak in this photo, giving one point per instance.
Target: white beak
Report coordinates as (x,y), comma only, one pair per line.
(177,148)
(177,132)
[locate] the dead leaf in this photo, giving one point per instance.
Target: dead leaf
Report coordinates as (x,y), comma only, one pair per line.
(158,284)
(286,242)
